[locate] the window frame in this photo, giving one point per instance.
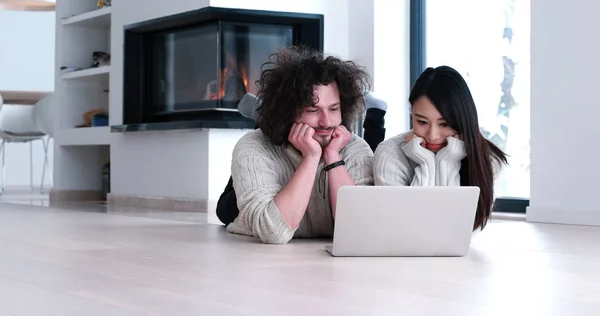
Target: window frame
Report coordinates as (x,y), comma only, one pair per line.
(418,55)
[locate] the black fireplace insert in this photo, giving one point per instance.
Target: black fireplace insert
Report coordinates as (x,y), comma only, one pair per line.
(190,70)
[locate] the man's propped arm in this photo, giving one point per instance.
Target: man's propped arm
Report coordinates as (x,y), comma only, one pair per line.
(292,201)
(269,210)
(337,177)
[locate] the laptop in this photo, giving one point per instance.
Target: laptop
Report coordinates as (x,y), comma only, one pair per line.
(404,221)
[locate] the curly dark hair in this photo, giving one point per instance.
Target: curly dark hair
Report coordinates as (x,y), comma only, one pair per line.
(286,88)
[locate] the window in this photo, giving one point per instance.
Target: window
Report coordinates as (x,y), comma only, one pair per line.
(488,43)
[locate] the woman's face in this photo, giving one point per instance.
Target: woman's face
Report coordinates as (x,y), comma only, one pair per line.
(429,124)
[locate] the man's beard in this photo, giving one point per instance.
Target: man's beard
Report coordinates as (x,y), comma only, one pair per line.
(323,140)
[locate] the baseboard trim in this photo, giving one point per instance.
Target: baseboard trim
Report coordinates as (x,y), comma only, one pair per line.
(508,216)
(75,195)
(557,216)
(164,203)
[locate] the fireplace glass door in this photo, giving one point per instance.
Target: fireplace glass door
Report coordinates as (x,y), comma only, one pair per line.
(210,67)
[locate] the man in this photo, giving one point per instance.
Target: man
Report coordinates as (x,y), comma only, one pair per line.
(286,174)
(373,130)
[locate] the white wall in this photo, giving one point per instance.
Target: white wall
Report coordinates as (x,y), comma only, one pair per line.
(361,27)
(391,61)
(564,112)
(27,54)
(26,63)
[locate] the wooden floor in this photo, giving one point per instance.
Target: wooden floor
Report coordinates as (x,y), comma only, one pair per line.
(85,261)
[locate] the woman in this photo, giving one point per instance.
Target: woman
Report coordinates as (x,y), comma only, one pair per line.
(445,147)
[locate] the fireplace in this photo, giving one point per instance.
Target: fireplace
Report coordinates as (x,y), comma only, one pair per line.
(190,70)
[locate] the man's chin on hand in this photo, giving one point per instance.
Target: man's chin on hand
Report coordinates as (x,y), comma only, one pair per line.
(340,137)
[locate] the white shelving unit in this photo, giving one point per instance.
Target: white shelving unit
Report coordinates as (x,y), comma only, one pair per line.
(82,29)
(84,136)
(97,18)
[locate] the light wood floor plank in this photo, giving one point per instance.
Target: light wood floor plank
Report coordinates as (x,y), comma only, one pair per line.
(22,299)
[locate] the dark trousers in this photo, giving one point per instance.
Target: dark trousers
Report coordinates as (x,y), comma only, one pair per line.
(374,134)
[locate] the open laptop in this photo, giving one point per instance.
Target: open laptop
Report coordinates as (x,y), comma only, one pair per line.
(404,221)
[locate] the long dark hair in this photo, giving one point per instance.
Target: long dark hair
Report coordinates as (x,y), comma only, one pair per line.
(450,94)
(286,88)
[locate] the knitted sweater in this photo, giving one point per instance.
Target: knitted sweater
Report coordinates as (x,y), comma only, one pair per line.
(399,163)
(260,170)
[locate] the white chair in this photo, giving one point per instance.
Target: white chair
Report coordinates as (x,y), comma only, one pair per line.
(17,125)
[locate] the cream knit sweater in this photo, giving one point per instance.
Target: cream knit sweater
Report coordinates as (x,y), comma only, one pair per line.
(399,163)
(260,170)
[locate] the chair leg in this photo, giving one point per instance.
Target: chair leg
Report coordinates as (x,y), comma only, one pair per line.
(46,142)
(50,176)
(31,166)
(3,171)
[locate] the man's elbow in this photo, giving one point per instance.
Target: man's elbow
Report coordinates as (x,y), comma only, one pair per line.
(276,239)
(272,227)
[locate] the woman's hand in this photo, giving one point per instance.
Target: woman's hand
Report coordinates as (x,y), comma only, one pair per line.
(455,149)
(408,138)
(415,149)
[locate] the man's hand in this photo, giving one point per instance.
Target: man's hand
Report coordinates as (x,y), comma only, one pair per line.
(339,176)
(301,136)
(339,138)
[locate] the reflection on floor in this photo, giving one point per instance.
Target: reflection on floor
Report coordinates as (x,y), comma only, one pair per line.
(27,196)
(36,198)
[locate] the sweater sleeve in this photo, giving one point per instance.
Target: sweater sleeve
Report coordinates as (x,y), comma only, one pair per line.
(392,166)
(359,161)
(448,163)
(255,178)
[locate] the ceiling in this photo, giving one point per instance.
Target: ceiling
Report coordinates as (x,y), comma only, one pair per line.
(27,5)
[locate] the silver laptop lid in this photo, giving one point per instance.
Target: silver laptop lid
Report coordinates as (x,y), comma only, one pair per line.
(404,221)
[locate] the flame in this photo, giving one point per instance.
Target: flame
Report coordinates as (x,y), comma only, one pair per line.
(231,69)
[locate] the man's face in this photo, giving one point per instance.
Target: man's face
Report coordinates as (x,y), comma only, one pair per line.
(326,115)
